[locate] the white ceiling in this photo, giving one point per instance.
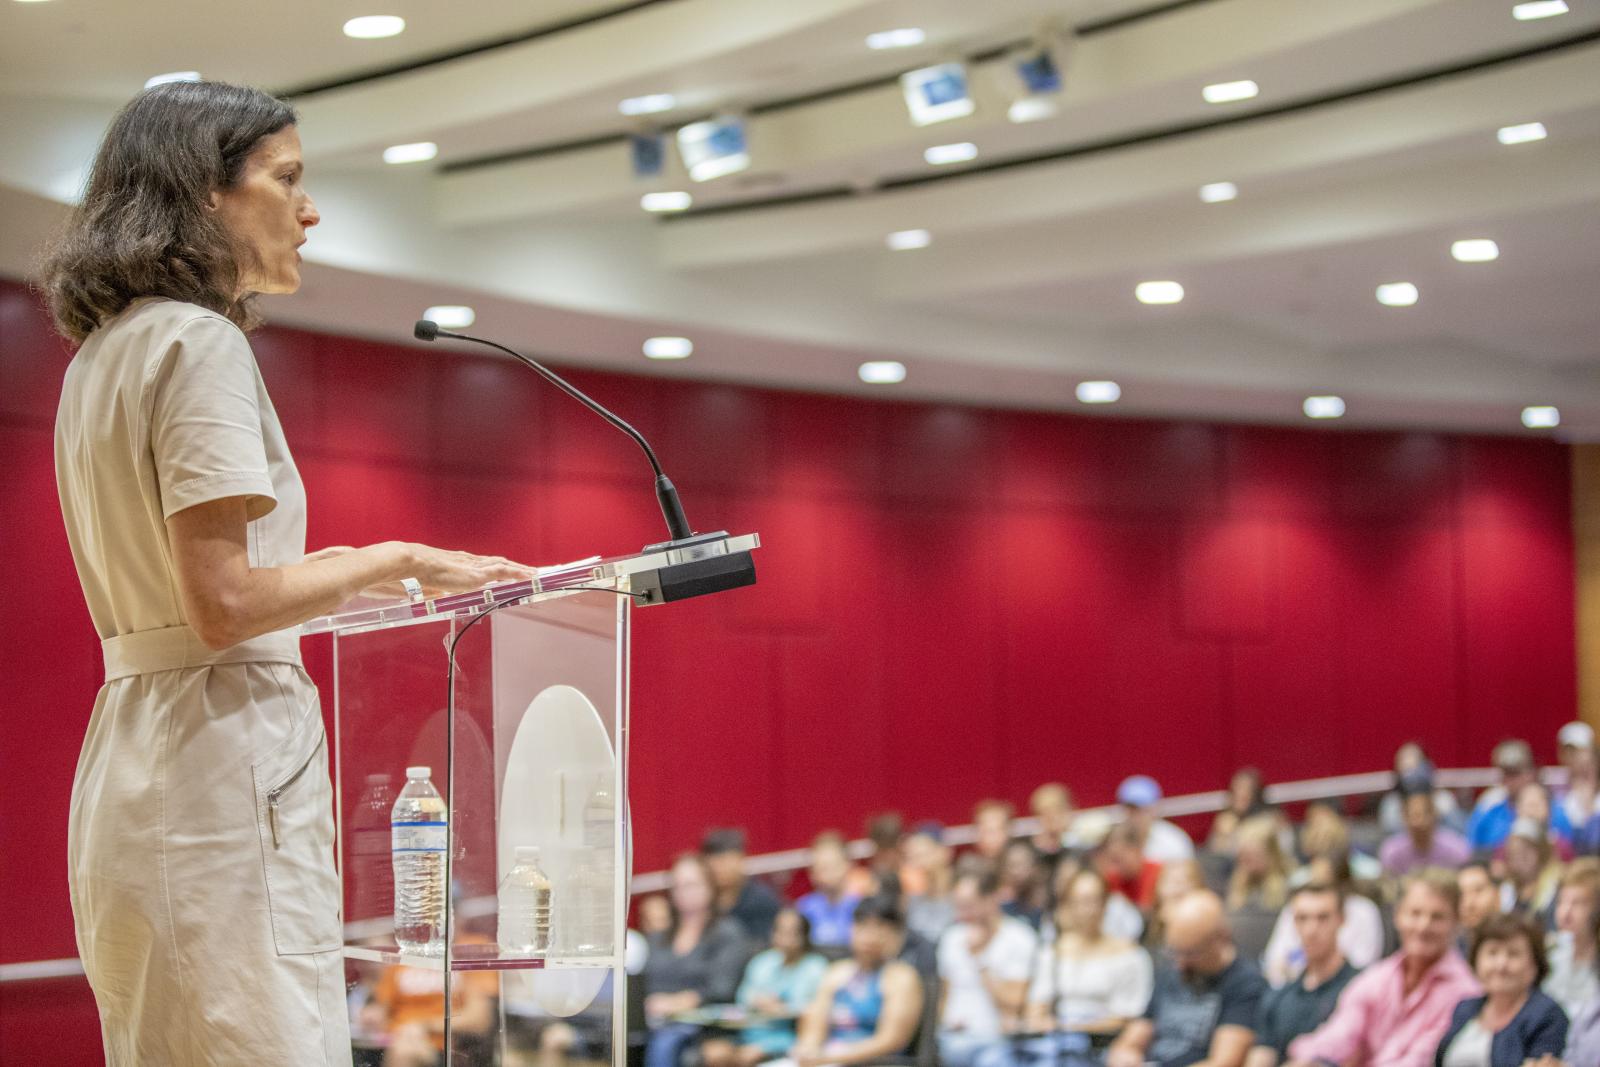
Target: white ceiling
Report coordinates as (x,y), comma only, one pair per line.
(1370,149)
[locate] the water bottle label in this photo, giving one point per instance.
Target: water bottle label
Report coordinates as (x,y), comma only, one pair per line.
(418,836)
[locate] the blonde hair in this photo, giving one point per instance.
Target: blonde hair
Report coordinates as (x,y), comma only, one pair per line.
(1272,888)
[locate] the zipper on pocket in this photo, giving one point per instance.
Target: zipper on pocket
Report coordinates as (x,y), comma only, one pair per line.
(276,792)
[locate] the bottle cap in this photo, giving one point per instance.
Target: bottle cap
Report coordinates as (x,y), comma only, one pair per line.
(419,772)
(527,853)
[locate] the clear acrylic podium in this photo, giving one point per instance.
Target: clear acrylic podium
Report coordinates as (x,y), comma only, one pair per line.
(528,743)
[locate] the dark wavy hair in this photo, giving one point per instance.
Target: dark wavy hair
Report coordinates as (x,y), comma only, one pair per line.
(143,228)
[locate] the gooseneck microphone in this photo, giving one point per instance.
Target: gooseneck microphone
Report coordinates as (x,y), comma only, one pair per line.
(666,494)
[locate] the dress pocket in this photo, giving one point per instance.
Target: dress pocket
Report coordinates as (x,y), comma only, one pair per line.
(294,813)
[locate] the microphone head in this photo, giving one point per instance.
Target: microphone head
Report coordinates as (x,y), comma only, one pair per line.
(425,330)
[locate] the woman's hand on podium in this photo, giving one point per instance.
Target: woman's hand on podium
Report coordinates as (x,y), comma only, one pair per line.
(442,571)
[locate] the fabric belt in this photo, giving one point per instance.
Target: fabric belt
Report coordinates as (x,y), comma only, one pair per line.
(175,647)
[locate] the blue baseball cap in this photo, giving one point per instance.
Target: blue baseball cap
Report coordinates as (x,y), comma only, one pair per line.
(1139,791)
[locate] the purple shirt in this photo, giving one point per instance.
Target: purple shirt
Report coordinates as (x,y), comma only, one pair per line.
(1378,1024)
(1399,854)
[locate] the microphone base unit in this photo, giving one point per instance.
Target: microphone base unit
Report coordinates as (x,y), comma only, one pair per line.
(697,568)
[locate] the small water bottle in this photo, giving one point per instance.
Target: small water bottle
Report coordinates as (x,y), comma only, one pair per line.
(591,910)
(418,835)
(524,898)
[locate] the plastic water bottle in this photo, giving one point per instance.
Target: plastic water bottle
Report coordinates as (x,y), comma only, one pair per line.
(524,898)
(592,897)
(418,835)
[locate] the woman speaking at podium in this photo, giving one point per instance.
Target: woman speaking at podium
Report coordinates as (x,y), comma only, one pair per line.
(201,832)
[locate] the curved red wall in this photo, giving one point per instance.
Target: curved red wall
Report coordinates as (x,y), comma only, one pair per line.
(953,602)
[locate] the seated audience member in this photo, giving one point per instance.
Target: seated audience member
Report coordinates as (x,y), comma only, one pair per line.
(1495,810)
(1051,805)
(1123,918)
(748,901)
(1259,886)
(1159,840)
(1394,1013)
(1480,901)
(698,960)
(1533,874)
(1573,981)
(1579,797)
(1023,889)
(991,825)
(408,1004)
(1325,835)
(1512,1021)
(1176,881)
(886,831)
(779,983)
(655,914)
(1360,936)
(830,904)
(1304,1004)
(1413,772)
(1245,800)
(984,961)
(1125,867)
(928,909)
(870,1003)
(1086,984)
(1205,1001)
(1424,843)
(1534,802)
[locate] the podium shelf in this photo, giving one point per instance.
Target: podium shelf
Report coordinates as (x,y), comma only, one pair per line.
(477,958)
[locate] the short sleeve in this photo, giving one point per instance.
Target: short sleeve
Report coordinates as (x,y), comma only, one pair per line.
(1014,957)
(205,420)
(1042,990)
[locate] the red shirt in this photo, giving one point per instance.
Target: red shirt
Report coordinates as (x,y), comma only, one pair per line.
(1141,889)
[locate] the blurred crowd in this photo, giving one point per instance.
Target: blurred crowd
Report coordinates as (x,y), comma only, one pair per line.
(1429,927)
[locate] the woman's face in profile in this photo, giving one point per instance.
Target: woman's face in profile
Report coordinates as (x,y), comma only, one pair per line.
(268,211)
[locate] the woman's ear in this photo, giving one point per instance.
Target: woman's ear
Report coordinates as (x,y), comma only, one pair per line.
(214,201)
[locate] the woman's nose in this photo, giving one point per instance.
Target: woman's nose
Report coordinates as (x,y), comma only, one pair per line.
(309,216)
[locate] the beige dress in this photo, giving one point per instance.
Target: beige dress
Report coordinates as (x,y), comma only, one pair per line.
(200,843)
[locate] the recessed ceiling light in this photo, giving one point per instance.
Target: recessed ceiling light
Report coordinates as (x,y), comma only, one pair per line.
(1397,294)
(668,347)
(420,152)
(882,372)
(1031,108)
(1521,134)
(951,153)
(1538,9)
(1217,192)
(909,37)
(175,76)
(1099,392)
(660,202)
(1323,407)
(372,27)
(1541,418)
(649,104)
(1228,92)
(1158,292)
(451,316)
(1475,250)
(904,240)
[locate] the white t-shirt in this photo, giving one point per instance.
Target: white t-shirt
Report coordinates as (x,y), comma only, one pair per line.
(1007,957)
(1167,844)
(1090,989)
(1471,1047)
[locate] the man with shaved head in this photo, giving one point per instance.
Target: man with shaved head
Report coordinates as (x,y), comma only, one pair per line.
(1206,999)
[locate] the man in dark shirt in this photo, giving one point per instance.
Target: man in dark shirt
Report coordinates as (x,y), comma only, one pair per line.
(1305,1003)
(747,901)
(1206,1000)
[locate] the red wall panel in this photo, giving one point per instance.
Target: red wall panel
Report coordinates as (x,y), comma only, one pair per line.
(953,603)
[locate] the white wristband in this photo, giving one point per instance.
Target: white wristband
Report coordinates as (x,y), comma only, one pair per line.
(412,587)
